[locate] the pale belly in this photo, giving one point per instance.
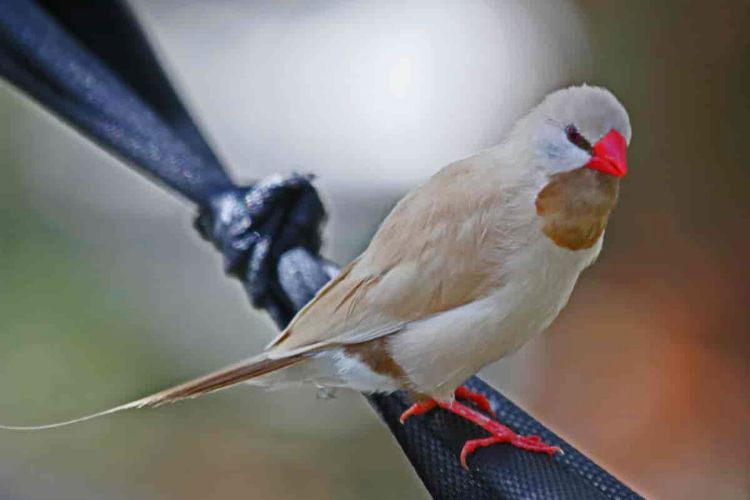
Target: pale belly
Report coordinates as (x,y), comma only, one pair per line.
(441,352)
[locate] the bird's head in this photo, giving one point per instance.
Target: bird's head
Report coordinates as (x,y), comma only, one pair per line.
(572,148)
(578,127)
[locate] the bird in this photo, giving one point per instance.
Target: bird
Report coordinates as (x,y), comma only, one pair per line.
(464,270)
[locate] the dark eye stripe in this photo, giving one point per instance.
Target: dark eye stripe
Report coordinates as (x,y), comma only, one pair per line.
(576,138)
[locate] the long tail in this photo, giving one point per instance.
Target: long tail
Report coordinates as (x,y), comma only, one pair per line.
(221,379)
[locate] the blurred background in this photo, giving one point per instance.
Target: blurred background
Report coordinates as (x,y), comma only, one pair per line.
(107,294)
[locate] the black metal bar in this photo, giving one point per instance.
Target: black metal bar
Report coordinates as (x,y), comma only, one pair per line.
(89,62)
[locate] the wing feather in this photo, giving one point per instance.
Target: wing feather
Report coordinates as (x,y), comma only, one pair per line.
(437,250)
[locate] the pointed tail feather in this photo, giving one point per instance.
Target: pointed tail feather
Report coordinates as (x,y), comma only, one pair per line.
(221,379)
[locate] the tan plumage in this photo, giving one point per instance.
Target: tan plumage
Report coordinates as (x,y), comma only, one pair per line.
(464,270)
(423,260)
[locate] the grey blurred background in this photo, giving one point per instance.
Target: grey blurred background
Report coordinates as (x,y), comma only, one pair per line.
(107,294)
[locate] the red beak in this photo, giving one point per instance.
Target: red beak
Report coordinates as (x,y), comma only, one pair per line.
(610,155)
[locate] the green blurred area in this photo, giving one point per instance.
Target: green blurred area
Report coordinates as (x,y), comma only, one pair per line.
(106,297)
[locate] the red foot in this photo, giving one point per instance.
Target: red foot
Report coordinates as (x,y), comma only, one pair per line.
(461,393)
(478,399)
(418,409)
(498,432)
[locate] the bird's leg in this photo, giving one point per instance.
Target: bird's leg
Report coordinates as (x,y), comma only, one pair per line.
(477,398)
(463,392)
(499,433)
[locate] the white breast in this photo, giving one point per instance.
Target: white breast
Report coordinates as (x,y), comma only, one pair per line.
(441,352)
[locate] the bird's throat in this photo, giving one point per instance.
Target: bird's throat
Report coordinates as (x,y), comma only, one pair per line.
(575,207)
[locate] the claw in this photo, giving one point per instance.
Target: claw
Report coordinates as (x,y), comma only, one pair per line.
(418,409)
(534,443)
(528,443)
(474,444)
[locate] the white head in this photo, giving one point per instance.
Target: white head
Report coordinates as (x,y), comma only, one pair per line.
(576,127)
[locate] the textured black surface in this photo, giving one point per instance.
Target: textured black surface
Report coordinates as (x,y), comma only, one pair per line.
(90,64)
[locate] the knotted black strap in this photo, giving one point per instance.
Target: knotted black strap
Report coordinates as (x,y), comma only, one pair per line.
(253,228)
(89,62)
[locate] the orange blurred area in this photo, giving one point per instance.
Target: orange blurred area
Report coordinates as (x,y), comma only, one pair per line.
(107,294)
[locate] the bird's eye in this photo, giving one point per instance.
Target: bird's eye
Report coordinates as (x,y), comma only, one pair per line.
(576,138)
